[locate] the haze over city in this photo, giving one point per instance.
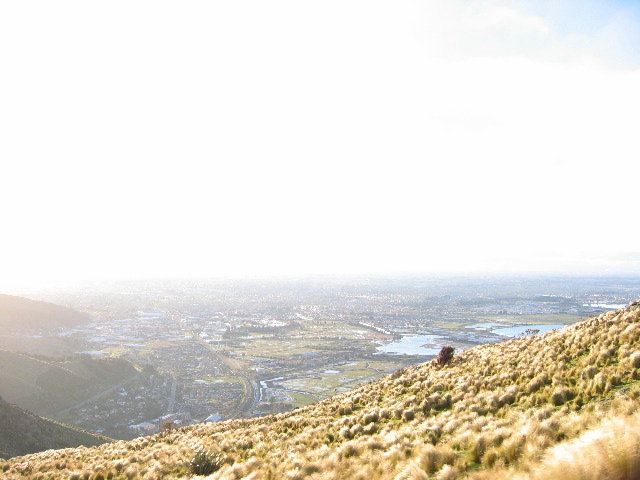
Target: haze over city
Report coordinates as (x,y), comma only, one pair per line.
(151,139)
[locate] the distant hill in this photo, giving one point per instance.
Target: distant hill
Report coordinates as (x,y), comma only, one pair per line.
(18,313)
(45,385)
(22,432)
(564,404)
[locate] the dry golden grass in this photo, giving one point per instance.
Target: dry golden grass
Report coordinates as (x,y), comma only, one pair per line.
(611,451)
(565,401)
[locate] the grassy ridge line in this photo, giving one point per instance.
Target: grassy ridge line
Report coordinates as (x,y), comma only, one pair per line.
(23,432)
(498,411)
(49,386)
(38,361)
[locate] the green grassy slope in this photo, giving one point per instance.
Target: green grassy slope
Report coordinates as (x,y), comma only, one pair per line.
(22,432)
(19,375)
(566,401)
(45,385)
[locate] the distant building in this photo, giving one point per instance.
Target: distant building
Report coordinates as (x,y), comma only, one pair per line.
(144,427)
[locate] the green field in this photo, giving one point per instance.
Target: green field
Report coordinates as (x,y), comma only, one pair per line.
(347,377)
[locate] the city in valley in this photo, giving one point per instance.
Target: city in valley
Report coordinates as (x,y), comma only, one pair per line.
(178,352)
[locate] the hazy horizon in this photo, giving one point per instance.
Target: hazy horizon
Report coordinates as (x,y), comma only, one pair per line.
(554,281)
(240,139)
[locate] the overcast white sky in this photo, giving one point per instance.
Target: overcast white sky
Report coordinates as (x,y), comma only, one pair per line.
(208,138)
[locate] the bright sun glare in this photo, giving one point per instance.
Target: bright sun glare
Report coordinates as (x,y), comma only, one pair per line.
(230,138)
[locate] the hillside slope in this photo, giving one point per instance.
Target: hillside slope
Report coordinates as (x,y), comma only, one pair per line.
(18,313)
(45,385)
(22,432)
(519,409)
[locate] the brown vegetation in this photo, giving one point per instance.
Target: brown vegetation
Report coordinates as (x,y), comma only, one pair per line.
(445,356)
(526,408)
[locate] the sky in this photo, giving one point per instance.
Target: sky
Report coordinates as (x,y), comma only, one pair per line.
(144,139)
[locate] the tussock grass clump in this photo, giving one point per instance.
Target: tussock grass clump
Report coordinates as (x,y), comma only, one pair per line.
(611,450)
(205,463)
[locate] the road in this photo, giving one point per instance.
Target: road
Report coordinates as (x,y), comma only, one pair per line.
(97,396)
(172,396)
(249,388)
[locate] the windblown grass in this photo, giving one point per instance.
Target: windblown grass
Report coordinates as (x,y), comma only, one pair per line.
(565,401)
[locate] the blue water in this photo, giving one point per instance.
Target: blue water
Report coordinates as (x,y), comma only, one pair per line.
(414,345)
(517,330)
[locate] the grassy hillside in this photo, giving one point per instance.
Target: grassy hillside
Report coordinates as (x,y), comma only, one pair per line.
(22,432)
(566,401)
(45,385)
(18,313)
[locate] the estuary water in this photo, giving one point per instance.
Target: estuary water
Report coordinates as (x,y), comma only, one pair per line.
(519,329)
(414,345)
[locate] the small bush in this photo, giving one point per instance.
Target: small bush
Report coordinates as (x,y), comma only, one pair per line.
(446,355)
(557,398)
(205,463)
